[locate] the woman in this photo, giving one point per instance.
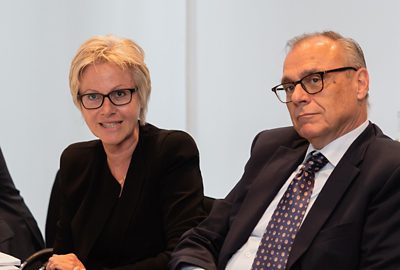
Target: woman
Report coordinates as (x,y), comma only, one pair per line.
(129,196)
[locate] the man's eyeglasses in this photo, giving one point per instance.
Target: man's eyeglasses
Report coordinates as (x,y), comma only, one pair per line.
(312,84)
(117,97)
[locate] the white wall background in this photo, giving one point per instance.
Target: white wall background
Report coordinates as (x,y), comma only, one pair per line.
(212,64)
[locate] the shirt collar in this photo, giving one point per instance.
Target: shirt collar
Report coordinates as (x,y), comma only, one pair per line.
(335,150)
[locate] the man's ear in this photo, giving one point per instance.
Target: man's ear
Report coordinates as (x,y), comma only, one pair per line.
(362,83)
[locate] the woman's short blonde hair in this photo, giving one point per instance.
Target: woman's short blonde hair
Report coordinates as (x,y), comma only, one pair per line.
(123,52)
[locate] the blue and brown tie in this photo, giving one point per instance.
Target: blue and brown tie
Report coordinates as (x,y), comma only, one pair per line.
(281,231)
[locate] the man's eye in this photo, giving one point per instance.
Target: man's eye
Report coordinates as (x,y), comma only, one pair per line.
(315,79)
(288,87)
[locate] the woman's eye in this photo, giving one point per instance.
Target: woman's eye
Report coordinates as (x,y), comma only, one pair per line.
(119,93)
(92,96)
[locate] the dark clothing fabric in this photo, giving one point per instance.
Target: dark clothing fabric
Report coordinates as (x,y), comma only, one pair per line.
(53,212)
(161,199)
(353,224)
(19,232)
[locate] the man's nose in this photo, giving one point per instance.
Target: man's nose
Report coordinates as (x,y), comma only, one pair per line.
(299,94)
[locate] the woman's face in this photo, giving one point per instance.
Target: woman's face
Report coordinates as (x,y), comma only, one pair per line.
(113,125)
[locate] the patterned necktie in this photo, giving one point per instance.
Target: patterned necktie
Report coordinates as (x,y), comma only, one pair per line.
(279,236)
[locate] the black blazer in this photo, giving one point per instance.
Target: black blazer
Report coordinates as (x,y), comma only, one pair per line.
(19,232)
(353,224)
(161,199)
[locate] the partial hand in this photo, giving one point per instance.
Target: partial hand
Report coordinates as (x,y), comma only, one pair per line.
(64,262)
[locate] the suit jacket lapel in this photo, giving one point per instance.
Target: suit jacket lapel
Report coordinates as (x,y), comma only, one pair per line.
(263,190)
(103,197)
(323,207)
(96,206)
(133,189)
(335,187)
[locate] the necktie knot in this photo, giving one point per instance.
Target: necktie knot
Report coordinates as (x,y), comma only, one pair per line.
(315,162)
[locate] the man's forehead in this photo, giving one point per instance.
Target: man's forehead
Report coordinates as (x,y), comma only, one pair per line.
(311,55)
(314,47)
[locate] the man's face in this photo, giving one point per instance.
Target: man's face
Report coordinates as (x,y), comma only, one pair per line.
(340,107)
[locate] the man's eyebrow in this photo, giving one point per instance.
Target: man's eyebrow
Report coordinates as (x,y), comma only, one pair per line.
(286,80)
(304,73)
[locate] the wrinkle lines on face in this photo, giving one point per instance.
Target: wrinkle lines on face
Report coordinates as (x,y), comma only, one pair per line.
(329,114)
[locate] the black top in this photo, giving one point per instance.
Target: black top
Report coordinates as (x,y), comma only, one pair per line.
(161,199)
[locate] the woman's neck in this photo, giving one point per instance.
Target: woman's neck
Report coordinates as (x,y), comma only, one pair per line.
(119,157)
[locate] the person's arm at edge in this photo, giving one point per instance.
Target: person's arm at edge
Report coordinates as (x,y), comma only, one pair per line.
(380,248)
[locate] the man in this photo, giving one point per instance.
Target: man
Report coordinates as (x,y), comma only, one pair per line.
(19,233)
(352,218)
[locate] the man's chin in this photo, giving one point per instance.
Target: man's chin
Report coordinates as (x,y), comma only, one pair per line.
(307,132)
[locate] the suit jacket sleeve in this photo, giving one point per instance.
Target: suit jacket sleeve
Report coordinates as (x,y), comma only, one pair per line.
(201,246)
(381,235)
(20,235)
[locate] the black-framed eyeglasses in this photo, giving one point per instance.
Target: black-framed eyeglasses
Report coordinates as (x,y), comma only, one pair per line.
(312,83)
(117,97)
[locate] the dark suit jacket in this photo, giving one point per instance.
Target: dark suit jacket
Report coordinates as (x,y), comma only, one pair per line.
(161,199)
(53,212)
(19,233)
(353,224)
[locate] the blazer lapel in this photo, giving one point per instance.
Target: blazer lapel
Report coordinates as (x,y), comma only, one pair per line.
(263,190)
(103,197)
(132,191)
(95,209)
(335,187)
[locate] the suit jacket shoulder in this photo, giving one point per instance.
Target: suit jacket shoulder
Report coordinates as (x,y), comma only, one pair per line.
(204,245)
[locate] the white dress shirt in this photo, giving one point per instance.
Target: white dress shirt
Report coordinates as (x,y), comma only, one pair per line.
(334,151)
